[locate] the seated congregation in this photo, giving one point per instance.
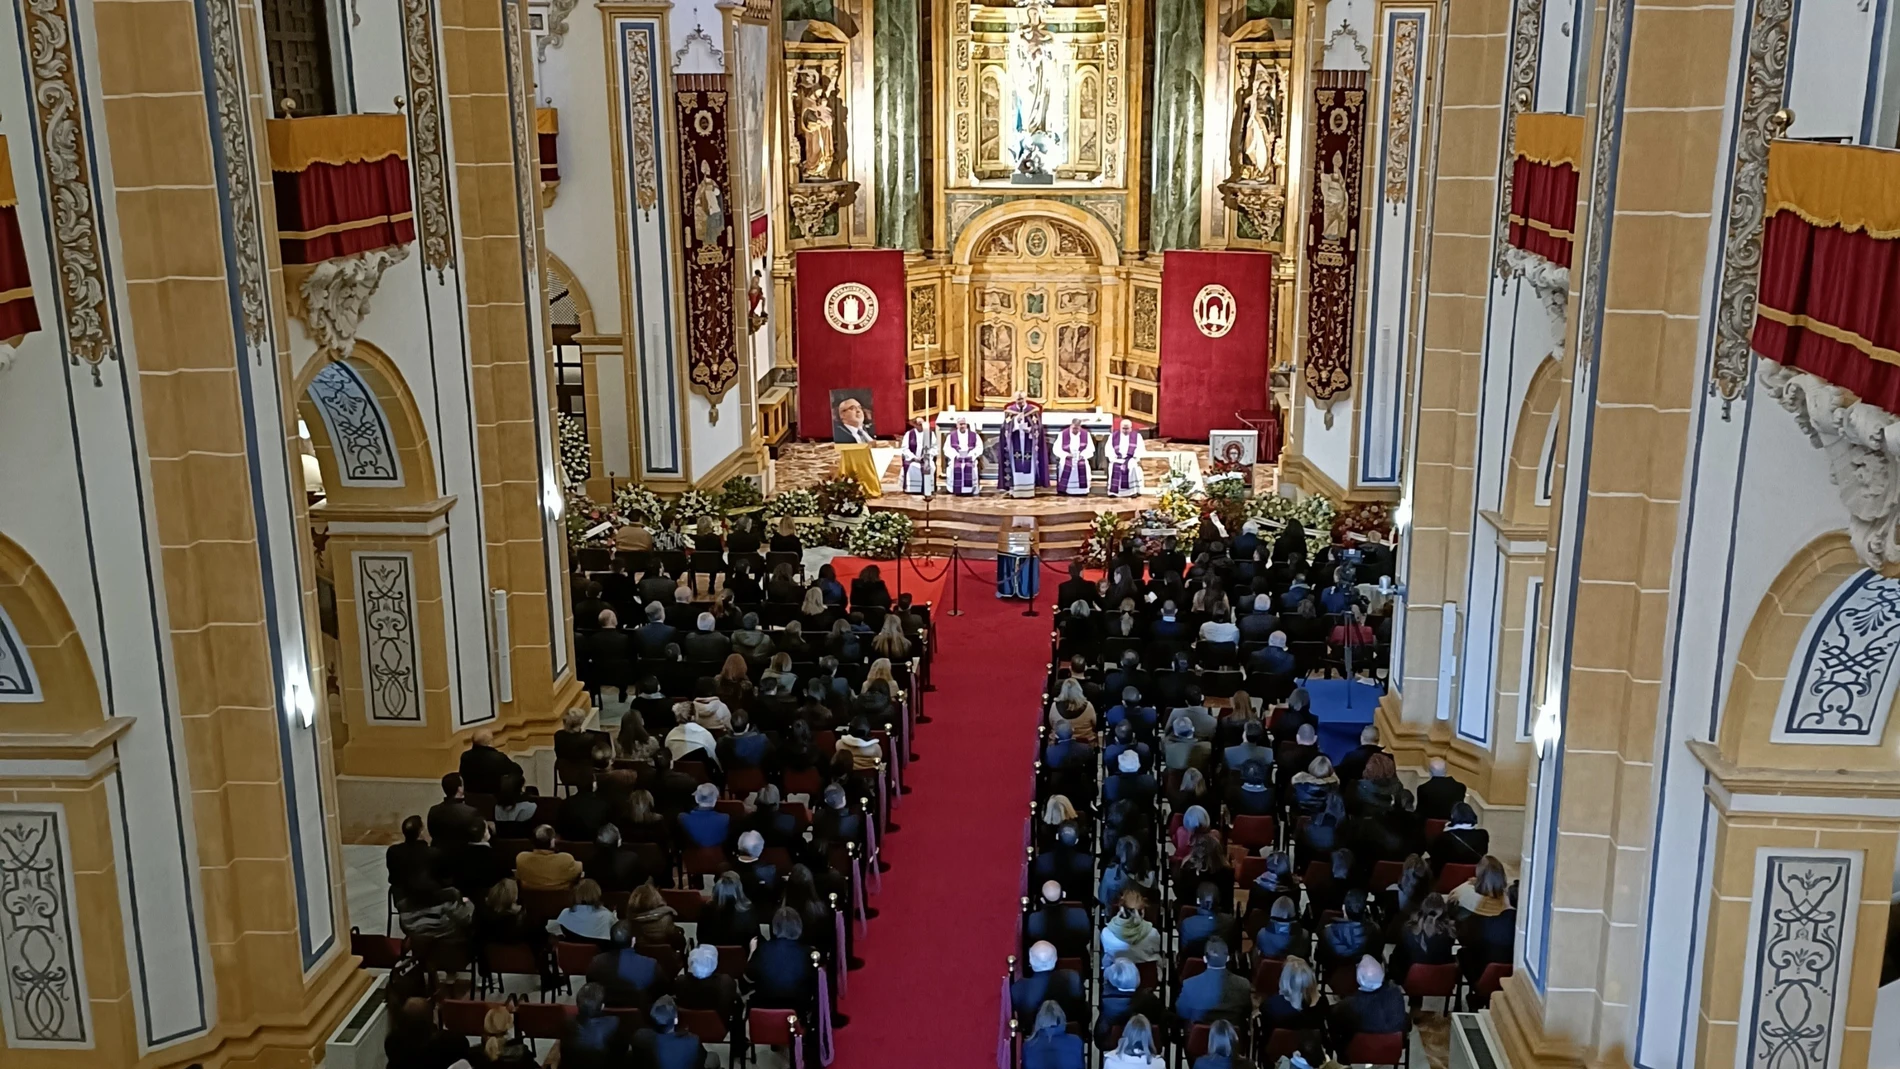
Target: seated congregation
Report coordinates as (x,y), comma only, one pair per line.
(1205,886)
(699,873)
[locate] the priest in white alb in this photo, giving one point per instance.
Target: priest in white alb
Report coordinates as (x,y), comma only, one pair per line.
(920,458)
(963,446)
(1074,448)
(1123,449)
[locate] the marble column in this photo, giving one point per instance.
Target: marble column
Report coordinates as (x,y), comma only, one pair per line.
(1175,197)
(896,34)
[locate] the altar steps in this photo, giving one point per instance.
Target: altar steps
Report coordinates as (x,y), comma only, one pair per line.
(975,532)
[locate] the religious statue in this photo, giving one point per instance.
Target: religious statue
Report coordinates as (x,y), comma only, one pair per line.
(1037,129)
(1332,199)
(1257,111)
(709,210)
(815,127)
(756,314)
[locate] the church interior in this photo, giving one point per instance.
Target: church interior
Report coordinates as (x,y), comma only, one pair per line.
(593,533)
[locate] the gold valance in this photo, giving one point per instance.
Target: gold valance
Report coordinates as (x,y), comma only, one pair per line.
(1849,186)
(1548,137)
(295,144)
(7,197)
(547,120)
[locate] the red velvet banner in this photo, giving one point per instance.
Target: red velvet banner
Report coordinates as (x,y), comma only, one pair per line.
(17,313)
(1543,209)
(850,334)
(1216,330)
(330,210)
(1830,304)
(1332,231)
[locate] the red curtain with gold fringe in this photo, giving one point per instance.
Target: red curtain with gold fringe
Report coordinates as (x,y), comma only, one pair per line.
(18,315)
(341,184)
(1829,299)
(1543,216)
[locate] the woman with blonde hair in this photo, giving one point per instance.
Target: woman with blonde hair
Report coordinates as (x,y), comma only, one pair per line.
(785,539)
(779,665)
(652,920)
(814,607)
(1298,1005)
(891,641)
(1483,894)
(1072,705)
(500,1049)
(880,672)
(586,921)
(1130,934)
(1138,1048)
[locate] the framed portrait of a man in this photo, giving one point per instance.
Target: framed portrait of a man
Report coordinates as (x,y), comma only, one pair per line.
(851,416)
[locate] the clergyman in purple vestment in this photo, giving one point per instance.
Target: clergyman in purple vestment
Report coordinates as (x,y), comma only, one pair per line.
(963,446)
(1124,470)
(1074,448)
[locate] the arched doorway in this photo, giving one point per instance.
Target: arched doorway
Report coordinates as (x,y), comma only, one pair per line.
(1037,311)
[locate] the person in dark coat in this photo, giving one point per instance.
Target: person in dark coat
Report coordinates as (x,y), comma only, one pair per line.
(416,1042)
(1378,1007)
(1438,793)
(651,638)
(452,821)
(1050,1044)
(483,767)
(613,866)
(1282,936)
(706,645)
(868,590)
(1298,1005)
(1461,843)
(783,974)
(593,1039)
(1214,993)
(627,976)
(413,864)
(1045,982)
(664,1045)
(608,657)
(1351,937)
(1065,926)
(1124,998)
(1207,922)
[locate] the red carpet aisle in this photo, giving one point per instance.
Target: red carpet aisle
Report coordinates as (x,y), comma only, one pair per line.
(927,997)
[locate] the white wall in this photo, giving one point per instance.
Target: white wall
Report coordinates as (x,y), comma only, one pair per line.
(1346,33)
(571,77)
(1833,68)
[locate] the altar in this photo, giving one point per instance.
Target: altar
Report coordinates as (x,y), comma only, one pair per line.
(989,426)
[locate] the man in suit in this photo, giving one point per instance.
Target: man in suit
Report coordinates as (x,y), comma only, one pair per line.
(1068,864)
(652,637)
(593,1039)
(1066,927)
(588,604)
(412,863)
(483,767)
(1379,1006)
(775,825)
(1063,751)
(1294,757)
(608,656)
(664,1046)
(1272,659)
(656,585)
(544,868)
(452,821)
(1215,994)
(475,867)
(1252,747)
(613,866)
(1045,982)
(704,825)
(851,422)
(706,645)
(1261,623)
(1075,588)
(1439,793)
(629,977)
(783,975)
(1123,997)
(584,812)
(1353,765)
(1207,923)
(1131,709)
(1130,781)
(760,879)
(1462,842)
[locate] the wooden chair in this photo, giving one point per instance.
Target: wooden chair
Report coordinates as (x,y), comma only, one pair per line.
(704,861)
(1488,984)
(687,904)
(743,781)
(1453,875)
(1385,874)
(733,961)
(1254,832)
(543,1020)
(464,1017)
(1433,981)
(1377,1048)
(574,959)
(706,1024)
(1266,977)
(546,905)
(377,951)
(773,1028)
(1281,1044)
(1433,828)
(511,959)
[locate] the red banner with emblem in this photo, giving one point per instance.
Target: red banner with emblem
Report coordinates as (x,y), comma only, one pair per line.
(850,334)
(1216,332)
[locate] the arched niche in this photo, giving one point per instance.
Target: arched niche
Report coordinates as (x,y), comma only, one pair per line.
(567,299)
(1818,669)
(1529,481)
(46,680)
(366,430)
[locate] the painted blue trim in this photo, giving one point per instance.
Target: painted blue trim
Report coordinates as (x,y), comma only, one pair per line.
(626,28)
(84,117)
(1390,459)
(266,552)
(1477,521)
(1870,104)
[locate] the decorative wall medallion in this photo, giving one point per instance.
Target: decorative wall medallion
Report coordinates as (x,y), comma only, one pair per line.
(923,317)
(1147,334)
(359,434)
(430,156)
(1762,119)
(1862,443)
(240,179)
(1526,29)
(642,148)
(851,308)
(1792,1010)
(1214,310)
(18,683)
(1402,85)
(336,295)
(1345,32)
(703,40)
(558,11)
(66,170)
(45,1004)
(1037,241)
(710,236)
(1841,686)
(386,612)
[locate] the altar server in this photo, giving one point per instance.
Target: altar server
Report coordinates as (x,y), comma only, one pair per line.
(1124,470)
(1074,448)
(920,458)
(963,446)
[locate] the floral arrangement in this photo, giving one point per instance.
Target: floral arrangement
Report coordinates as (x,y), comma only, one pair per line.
(583,515)
(740,492)
(575,455)
(640,505)
(1364,518)
(1105,540)
(840,497)
(691,505)
(798,503)
(1315,514)
(882,536)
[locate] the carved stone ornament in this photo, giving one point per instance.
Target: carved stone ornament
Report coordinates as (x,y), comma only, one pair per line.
(430,158)
(66,170)
(1863,453)
(336,296)
(1762,120)
(240,178)
(1264,206)
(1550,280)
(1345,29)
(813,201)
(1526,28)
(558,11)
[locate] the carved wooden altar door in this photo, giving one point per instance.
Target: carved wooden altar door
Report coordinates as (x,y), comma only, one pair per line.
(1035,294)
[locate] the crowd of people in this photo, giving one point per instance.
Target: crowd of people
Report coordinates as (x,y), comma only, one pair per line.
(697,871)
(1203,878)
